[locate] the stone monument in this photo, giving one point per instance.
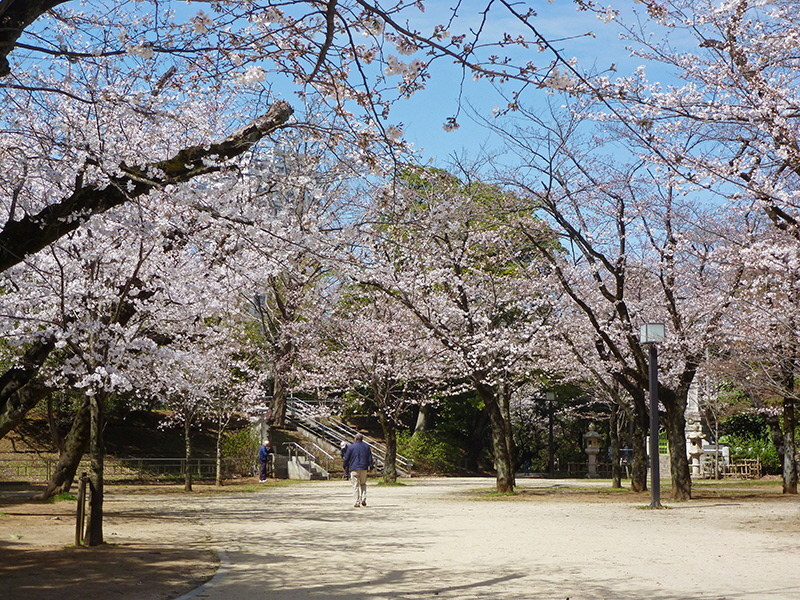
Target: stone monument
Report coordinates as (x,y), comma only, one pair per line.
(592,439)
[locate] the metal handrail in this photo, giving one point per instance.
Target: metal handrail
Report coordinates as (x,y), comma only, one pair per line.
(295,446)
(300,449)
(337,432)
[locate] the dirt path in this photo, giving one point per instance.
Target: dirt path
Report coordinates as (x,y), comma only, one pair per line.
(429,538)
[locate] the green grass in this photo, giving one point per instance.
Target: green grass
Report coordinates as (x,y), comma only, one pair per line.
(202,488)
(63,497)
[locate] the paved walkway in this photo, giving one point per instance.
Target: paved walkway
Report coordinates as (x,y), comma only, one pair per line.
(423,540)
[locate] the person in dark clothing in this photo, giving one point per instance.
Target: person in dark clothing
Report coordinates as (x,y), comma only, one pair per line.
(358,460)
(265,458)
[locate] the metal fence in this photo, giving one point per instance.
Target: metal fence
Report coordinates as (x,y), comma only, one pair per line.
(40,469)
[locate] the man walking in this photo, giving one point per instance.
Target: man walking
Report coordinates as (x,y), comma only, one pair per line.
(358,460)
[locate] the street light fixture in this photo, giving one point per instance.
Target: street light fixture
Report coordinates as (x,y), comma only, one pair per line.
(651,334)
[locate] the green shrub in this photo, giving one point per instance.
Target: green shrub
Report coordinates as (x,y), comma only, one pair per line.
(63,497)
(241,445)
(745,446)
(430,450)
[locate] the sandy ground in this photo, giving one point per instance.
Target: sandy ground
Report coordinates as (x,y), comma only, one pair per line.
(430,538)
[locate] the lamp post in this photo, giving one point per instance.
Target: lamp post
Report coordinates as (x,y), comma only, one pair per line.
(650,334)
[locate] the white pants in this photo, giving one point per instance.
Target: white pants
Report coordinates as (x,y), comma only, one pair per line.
(359,480)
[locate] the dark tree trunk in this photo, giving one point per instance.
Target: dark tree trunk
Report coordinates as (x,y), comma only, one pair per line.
(16,16)
(19,391)
(94,527)
(613,429)
(55,434)
(475,442)
(187,446)
(284,357)
(675,404)
(502,441)
(551,450)
(75,445)
(789,447)
(639,445)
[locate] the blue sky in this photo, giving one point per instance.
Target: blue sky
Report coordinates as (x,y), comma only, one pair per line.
(425,113)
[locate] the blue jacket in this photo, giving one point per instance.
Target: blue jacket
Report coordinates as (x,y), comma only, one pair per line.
(264,454)
(358,456)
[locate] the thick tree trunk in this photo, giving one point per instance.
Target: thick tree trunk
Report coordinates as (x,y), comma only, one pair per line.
(278,404)
(75,445)
(502,440)
(187,446)
(789,447)
(613,428)
(639,445)
(55,434)
(94,527)
(17,15)
(284,357)
(19,391)
(675,404)
(424,418)
(31,233)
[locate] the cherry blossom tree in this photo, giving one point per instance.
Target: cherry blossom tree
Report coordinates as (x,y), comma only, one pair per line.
(206,377)
(106,104)
(635,256)
(373,347)
(762,358)
(300,203)
(448,251)
(728,123)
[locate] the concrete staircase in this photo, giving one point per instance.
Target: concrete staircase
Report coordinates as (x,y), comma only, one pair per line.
(307,469)
(325,433)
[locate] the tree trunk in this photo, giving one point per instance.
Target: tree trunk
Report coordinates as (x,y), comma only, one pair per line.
(218,457)
(75,445)
(675,404)
(475,441)
(551,451)
(390,439)
(789,447)
(502,440)
(94,527)
(19,391)
(55,434)
(424,418)
(187,445)
(613,430)
(776,434)
(280,384)
(639,445)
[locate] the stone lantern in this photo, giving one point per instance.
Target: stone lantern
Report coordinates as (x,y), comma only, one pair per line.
(694,431)
(592,449)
